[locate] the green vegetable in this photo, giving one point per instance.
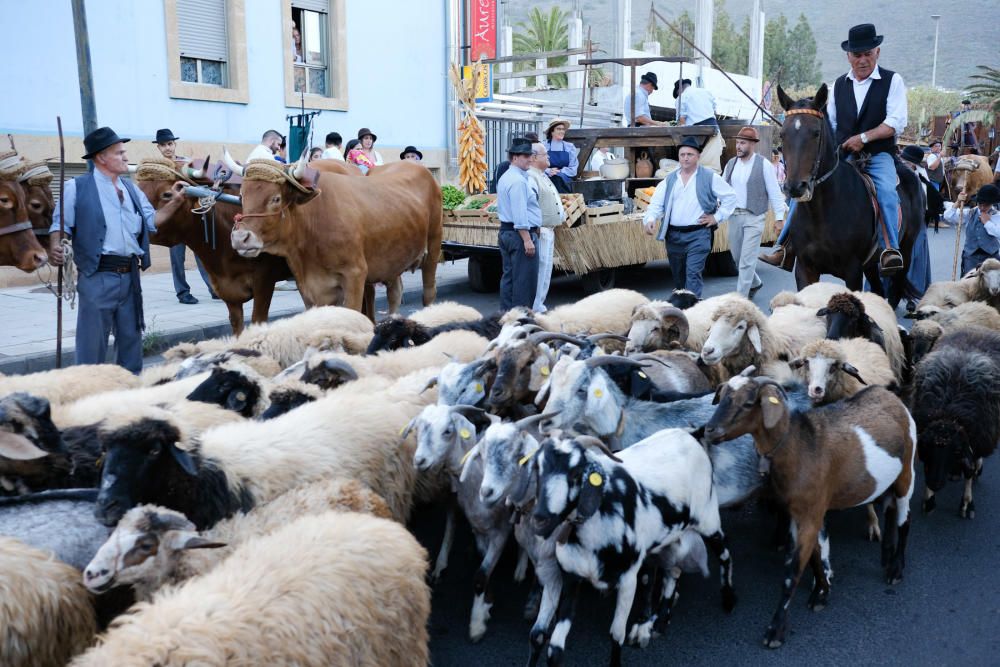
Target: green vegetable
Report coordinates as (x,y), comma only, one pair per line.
(451,197)
(477,204)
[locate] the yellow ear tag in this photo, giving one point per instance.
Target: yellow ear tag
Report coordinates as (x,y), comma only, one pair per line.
(773,400)
(478,387)
(465,433)
(595,479)
(545,371)
(401,430)
(524,459)
(643,375)
(466,456)
(598,393)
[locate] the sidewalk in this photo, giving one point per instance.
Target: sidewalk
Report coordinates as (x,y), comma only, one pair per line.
(28,316)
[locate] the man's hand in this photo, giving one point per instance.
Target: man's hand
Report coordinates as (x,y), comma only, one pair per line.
(649,227)
(853,144)
(56,256)
(529,248)
(707,220)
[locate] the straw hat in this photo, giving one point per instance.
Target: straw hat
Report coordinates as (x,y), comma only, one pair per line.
(555,123)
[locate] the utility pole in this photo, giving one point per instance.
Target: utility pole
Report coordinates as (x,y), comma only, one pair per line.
(88,106)
(937,20)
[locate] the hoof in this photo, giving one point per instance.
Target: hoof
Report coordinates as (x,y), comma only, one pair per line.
(774,637)
(819,600)
(968,511)
(640,633)
(929,505)
(728,599)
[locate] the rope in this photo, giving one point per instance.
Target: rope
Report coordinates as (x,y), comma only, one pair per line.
(69,275)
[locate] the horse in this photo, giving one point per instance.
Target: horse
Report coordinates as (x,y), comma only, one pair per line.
(835,229)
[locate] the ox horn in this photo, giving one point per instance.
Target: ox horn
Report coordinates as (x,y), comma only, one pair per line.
(542,336)
(132,168)
(676,316)
(300,165)
(228,160)
(613,360)
(196,173)
(589,442)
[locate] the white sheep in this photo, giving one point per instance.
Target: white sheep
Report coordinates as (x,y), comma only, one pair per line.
(443,312)
(65,385)
(90,409)
(153,546)
(700,317)
(813,296)
(838,369)
(332,589)
(604,312)
(46,616)
(942,295)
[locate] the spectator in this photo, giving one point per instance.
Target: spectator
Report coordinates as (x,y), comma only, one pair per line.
(315,153)
(269,145)
(697,107)
(333,151)
(779,165)
(935,166)
(282,154)
(981,226)
(598,158)
(553,215)
(297,45)
(520,218)
(411,153)
(365,155)
(531,138)
(564,158)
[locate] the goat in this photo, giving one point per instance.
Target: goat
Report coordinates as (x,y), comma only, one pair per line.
(840,455)
(865,315)
(683,298)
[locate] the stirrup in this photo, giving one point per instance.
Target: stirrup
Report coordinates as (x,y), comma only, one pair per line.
(890,262)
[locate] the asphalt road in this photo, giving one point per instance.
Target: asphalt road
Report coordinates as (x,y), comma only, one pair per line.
(946,610)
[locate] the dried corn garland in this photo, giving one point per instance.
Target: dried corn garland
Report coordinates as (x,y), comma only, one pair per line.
(472,165)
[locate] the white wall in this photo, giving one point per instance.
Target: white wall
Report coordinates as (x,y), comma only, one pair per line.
(396,73)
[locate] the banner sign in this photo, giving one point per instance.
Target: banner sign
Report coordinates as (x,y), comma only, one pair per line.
(482,29)
(482,81)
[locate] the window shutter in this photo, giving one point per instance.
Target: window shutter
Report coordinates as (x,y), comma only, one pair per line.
(322,6)
(201,29)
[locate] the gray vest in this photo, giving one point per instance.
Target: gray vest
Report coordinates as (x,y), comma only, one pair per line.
(977,238)
(90,226)
(756,188)
(703,190)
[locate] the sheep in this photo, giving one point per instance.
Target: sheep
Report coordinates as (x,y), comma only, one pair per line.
(261,363)
(289,395)
(153,546)
(925,333)
(611,512)
(655,325)
(939,296)
(604,312)
(395,332)
(89,410)
(330,369)
(812,296)
(840,455)
(65,385)
(286,340)
(983,282)
(336,588)
(956,404)
(347,434)
(866,315)
(683,298)
(46,616)
(836,369)
(60,522)
(443,312)
(236,387)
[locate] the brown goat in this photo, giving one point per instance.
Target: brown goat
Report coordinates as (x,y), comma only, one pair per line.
(837,456)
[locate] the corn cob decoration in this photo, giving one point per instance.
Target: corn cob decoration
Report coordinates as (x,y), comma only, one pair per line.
(472,137)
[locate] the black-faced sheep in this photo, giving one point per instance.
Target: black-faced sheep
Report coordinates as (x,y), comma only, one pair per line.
(396,332)
(65,385)
(865,315)
(336,588)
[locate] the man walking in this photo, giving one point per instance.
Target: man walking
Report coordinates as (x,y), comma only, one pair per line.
(685,209)
(756,185)
(520,218)
(553,215)
(166,143)
(109,220)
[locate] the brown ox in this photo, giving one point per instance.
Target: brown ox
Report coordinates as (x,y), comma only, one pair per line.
(36,179)
(970,173)
(234,278)
(18,245)
(345,231)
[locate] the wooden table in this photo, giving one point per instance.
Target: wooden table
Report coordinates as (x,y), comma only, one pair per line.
(587,139)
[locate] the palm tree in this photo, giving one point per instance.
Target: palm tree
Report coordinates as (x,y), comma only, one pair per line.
(987,87)
(544,32)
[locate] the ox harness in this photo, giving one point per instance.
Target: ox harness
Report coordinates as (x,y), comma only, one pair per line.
(16,227)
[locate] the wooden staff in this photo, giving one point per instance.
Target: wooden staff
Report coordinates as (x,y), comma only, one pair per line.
(62,232)
(958,236)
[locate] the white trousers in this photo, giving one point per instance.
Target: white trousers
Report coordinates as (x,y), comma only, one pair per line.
(545,250)
(745,230)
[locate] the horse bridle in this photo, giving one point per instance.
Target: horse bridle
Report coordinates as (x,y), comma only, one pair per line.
(813,180)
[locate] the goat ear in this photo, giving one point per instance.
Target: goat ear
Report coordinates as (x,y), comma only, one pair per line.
(753,333)
(183,459)
(591,494)
(853,372)
(199,542)
(823,312)
(467,459)
(771,406)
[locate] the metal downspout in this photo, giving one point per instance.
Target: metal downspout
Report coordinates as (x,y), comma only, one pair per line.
(453,54)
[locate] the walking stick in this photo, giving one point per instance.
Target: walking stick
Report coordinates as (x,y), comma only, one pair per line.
(62,231)
(958,236)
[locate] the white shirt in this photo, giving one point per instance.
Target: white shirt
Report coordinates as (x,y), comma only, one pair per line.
(597,160)
(697,104)
(683,208)
(895,105)
(332,153)
(260,152)
(992,226)
(740,176)
(932,160)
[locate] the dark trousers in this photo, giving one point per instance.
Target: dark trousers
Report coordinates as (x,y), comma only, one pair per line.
(687,252)
(106,304)
(520,272)
(181,286)
(971,260)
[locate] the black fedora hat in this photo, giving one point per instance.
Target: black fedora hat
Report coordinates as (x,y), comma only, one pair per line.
(988,194)
(520,147)
(165,135)
(677,86)
(649,77)
(861,38)
(411,149)
(99,139)
(913,154)
(365,132)
(689,142)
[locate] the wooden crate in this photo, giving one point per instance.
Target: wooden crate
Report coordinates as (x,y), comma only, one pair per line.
(642,199)
(574,206)
(602,215)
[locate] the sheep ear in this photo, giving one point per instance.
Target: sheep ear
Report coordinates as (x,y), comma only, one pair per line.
(753,333)
(198,542)
(853,372)
(183,459)
(591,493)
(771,406)
(822,312)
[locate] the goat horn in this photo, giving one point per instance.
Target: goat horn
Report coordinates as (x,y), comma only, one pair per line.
(596,338)
(528,422)
(589,441)
(406,429)
(613,360)
(341,366)
(228,160)
(650,357)
(542,336)
(748,371)
(469,411)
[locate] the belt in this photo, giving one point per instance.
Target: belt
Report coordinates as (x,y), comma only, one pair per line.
(117,263)
(686,229)
(509,227)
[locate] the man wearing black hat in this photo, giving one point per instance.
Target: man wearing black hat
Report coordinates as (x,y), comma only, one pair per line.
(109,220)
(866,111)
(166,143)
(685,209)
(411,153)
(981,225)
(643,115)
(520,218)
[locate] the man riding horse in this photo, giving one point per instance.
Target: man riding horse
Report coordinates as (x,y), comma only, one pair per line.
(866,111)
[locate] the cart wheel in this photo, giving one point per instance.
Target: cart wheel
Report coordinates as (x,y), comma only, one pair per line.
(598,281)
(721,264)
(484,273)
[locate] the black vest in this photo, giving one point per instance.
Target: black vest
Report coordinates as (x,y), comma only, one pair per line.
(851,121)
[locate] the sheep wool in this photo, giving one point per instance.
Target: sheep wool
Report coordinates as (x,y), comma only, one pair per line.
(46,615)
(444,312)
(65,385)
(604,312)
(334,589)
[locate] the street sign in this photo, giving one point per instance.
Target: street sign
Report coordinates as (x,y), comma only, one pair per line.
(483,81)
(482,29)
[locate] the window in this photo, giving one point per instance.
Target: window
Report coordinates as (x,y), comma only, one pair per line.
(309,48)
(206,49)
(315,54)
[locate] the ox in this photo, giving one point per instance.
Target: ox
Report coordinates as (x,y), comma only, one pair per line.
(234,278)
(357,231)
(970,173)
(18,245)
(36,179)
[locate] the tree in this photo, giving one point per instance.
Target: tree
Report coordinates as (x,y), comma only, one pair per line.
(923,103)
(670,43)
(730,49)
(775,45)
(986,88)
(793,51)
(543,32)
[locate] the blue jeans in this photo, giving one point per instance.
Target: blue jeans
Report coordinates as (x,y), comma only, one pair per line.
(687,252)
(882,169)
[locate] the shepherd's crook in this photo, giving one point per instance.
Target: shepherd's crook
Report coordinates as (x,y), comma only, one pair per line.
(62,230)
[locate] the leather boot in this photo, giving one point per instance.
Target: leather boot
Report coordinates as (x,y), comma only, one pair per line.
(890,262)
(782,257)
